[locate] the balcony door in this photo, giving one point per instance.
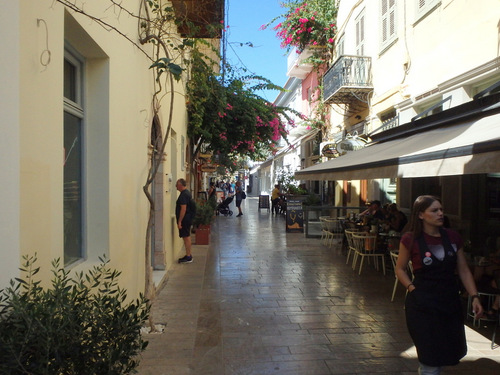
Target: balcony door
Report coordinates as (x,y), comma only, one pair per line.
(360,34)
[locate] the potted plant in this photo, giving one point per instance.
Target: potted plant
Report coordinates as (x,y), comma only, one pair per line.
(202,220)
(312,200)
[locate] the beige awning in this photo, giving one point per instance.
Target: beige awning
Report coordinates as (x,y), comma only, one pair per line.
(468,148)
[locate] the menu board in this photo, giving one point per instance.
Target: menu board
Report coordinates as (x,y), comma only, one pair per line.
(294,216)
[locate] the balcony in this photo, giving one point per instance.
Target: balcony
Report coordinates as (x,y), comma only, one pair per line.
(296,67)
(348,80)
(198,16)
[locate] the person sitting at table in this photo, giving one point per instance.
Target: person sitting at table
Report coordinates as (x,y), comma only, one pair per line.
(397,219)
(487,275)
(373,211)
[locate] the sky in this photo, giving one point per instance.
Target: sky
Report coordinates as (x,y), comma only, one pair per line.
(265,58)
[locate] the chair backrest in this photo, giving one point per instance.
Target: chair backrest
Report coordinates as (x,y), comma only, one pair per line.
(324,225)
(394,259)
(348,235)
(364,243)
(334,225)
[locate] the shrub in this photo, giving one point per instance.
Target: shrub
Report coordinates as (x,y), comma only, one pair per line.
(204,213)
(79,325)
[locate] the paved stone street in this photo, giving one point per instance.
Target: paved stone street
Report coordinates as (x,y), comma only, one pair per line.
(259,301)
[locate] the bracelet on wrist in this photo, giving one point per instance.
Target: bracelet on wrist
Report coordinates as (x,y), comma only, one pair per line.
(408,287)
(474,297)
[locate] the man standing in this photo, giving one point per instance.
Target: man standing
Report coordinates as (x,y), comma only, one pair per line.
(184,216)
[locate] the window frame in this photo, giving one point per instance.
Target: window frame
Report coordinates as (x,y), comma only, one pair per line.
(76,108)
(424,7)
(360,33)
(385,17)
(341,45)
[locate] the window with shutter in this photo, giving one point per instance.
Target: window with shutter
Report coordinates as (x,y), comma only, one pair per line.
(360,34)
(424,7)
(388,23)
(340,45)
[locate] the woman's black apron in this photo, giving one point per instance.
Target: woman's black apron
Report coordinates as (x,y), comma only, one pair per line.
(433,310)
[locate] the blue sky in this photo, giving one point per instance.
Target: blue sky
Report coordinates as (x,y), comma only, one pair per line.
(265,58)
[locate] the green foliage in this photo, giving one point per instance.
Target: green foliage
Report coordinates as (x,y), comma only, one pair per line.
(166,65)
(288,183)
(228,117)
(204,213)
(285,178)
(295,190)
(312,200)
(307,23)
(79,325)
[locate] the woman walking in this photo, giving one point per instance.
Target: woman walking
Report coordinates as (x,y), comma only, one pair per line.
(239,197)
(434,315)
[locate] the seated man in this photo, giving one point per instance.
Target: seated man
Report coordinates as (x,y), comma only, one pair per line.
(374,210)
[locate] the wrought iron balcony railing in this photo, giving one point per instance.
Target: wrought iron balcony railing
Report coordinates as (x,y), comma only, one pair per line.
(348,79)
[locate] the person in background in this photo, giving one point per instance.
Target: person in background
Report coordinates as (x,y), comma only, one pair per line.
(239,198)
(212,195)
(275,199)
(233,187)
(434,314)
(184,216)
(212,191)
(397,219)
(374,211)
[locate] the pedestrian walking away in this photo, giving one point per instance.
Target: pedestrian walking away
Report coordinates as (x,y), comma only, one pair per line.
(239,197)
(433,308)
(184,213)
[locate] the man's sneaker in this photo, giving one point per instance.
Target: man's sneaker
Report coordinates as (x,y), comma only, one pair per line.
(186,259)
(239,215)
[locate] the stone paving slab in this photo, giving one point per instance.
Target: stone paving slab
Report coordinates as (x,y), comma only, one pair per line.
(261,301)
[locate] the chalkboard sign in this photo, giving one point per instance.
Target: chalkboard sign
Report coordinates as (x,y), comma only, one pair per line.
(294,215)
(264,202)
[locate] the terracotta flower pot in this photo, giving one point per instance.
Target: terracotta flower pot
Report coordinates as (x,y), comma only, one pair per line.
(203,234)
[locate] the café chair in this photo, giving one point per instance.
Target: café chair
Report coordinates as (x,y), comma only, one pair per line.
(334,229)
(366,246)
(487,300)
(350,245)
(394,260)
(324,229)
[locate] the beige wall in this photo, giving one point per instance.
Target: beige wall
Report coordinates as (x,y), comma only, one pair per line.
(439,49)
(454,49)
(118,115)
(9,141)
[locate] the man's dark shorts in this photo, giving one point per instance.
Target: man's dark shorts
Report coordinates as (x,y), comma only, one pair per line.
(238,202)
(185,231)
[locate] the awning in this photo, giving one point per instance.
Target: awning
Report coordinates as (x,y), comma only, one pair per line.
(467,148)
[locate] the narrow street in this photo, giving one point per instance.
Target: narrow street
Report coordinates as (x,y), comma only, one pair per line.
(259,301)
